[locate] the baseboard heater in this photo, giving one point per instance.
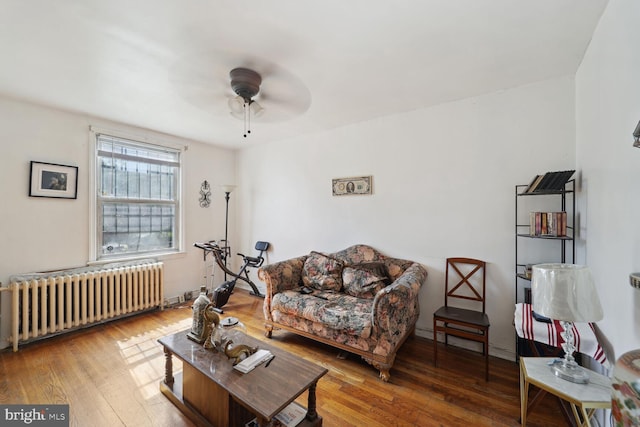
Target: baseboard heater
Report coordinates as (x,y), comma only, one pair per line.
(47,304)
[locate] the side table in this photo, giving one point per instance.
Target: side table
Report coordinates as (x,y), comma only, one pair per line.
(584,399)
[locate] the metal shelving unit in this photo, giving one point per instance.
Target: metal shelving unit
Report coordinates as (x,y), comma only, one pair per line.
(560,248)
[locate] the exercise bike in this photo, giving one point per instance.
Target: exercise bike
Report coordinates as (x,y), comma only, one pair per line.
(222,293)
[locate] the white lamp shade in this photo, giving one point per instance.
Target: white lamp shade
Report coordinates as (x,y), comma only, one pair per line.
(228,188)
(256,109)
(236,105)
(565,292)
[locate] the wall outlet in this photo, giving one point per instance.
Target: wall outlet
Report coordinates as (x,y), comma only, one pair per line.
(181,298)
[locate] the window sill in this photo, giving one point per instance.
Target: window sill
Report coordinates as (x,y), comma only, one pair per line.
(158,256)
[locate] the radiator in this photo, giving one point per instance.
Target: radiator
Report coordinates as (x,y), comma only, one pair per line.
(46,304)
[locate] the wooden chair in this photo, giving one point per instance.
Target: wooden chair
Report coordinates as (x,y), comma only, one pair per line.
(466,318)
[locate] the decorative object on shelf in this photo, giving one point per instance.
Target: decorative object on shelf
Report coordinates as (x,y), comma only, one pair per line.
(634,280)
(625,394)
(205,194)
(228,189)
(350,186)
(52,180)
(527,271)
(636,135)
(197,326)
(566,292)
(246,84)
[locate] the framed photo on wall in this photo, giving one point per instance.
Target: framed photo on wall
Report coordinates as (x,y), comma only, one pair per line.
(52,180)
(351,186)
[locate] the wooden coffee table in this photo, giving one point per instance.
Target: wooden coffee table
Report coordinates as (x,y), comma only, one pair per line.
(211,393)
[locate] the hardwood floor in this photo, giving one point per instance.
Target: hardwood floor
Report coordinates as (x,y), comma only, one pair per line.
(110,374)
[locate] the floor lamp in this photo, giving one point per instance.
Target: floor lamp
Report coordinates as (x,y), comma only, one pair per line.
(227,249)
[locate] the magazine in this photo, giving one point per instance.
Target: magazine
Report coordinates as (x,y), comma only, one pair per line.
(292,415)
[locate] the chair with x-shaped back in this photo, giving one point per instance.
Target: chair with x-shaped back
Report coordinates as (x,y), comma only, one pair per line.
(463,314)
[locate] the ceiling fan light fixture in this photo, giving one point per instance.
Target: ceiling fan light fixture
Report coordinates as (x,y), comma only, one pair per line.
(256,109)
(236,105)
(246,84)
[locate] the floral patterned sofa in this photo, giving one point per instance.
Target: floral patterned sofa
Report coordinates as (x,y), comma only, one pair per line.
(361,301)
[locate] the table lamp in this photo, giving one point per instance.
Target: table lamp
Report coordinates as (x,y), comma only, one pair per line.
(566,292)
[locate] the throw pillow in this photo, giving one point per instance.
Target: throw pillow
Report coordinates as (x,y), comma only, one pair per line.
(322,272)
(365,280)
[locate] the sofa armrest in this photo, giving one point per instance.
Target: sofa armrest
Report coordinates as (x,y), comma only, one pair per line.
(283,275)
(396,307)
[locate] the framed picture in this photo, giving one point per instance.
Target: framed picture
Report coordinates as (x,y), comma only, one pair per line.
(351,186)
(51,180)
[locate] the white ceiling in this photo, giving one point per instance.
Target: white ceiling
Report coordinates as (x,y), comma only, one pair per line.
(164,64)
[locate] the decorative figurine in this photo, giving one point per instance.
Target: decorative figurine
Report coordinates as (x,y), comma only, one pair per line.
(197,327)
(211,332)
(238,352)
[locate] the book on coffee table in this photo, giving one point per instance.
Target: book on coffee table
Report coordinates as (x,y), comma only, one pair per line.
(254,360)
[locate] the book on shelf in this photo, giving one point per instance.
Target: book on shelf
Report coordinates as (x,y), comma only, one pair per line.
(552,224)
(531,184)
(290,416)
(550,181)
(544,183)
(534,184)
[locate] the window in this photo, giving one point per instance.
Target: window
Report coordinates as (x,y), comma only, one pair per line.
(137,198)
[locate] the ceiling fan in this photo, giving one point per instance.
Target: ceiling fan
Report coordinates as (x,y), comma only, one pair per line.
(204,80)
(246,85)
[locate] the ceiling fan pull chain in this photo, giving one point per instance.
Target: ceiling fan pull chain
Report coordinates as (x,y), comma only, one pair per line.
(245,112)
(248,117)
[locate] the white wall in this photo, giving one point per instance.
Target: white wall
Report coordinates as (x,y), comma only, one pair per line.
(607,112)
(40,234)
(443,183)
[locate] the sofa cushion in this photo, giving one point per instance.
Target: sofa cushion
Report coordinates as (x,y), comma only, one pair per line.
(365,280)
(333,310)
(322,272)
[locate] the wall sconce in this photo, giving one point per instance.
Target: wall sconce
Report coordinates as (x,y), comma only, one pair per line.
(636,135)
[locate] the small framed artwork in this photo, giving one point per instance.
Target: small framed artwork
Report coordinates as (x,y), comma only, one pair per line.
(351,186)
(52,180)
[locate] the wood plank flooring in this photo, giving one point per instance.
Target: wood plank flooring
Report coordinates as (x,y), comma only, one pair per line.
(109,375)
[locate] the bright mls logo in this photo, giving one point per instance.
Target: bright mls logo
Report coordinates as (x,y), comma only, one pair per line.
(37,415)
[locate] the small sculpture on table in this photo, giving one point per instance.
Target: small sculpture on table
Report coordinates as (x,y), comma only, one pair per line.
(238,352)
(197,328)
(211,332)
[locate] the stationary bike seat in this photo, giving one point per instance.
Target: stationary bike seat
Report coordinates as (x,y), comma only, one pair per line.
(253,260)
